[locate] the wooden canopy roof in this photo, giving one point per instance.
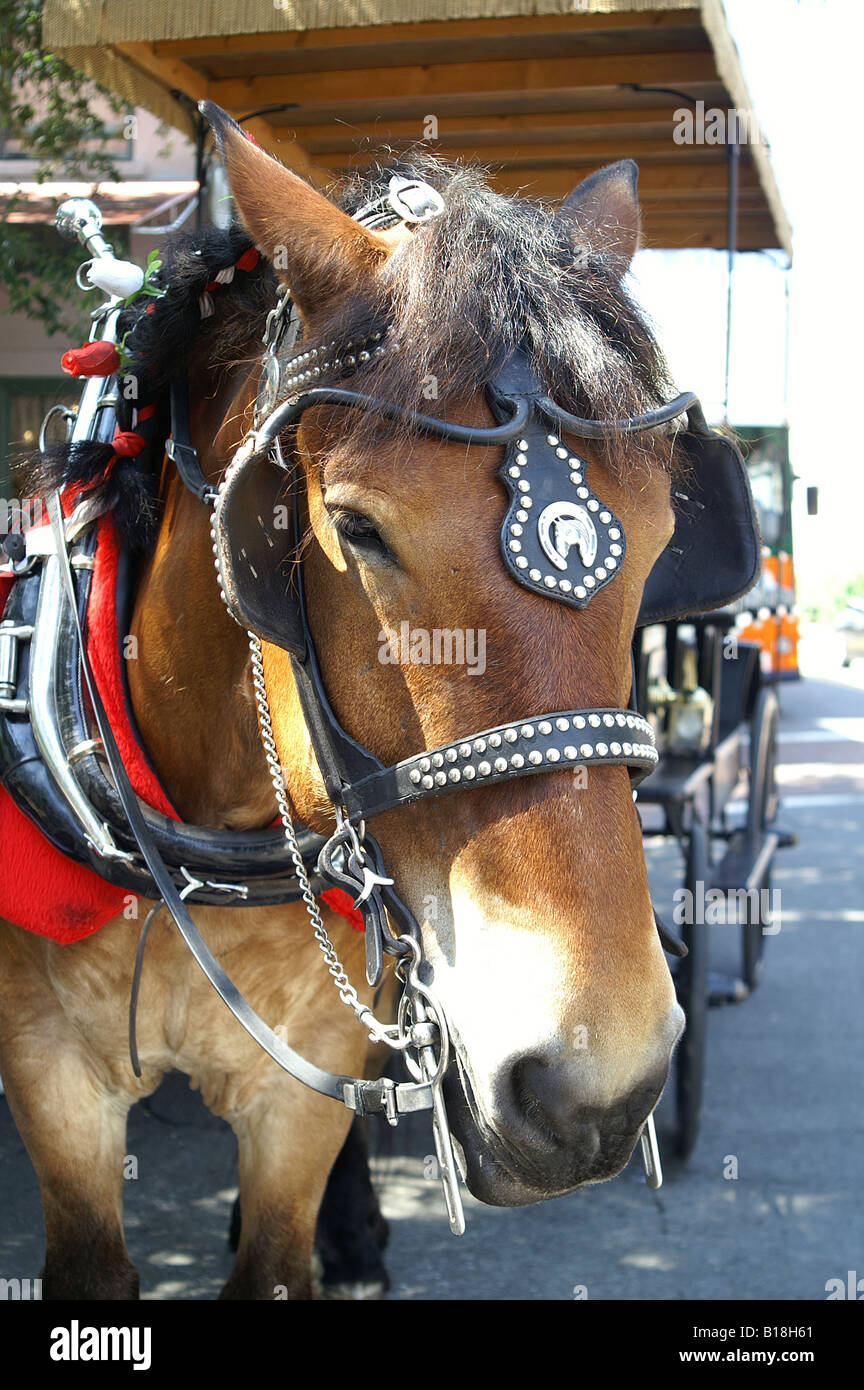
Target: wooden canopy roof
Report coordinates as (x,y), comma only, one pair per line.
(543,91)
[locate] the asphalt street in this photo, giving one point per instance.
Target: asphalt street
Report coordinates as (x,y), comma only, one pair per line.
(782,1098)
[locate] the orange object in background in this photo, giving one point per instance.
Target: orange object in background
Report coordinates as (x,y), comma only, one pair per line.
(787,645)
(762,628)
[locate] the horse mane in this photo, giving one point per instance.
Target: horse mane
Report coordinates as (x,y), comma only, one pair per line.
(491,274)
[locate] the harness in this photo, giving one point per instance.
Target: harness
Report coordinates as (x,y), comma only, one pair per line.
(557,538)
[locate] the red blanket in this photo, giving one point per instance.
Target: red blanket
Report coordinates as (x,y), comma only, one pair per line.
(40,889)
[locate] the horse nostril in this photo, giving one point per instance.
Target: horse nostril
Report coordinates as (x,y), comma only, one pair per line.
(551,1097)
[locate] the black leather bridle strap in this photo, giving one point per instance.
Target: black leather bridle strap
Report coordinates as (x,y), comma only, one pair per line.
(179,446)
(365,1097)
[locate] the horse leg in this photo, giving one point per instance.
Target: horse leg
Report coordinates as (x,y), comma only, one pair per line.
(351,1229)
(74,1130)
(352,1232)
(287,1144)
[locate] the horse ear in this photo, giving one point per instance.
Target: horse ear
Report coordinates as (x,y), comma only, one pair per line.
(604,209)
(313,246)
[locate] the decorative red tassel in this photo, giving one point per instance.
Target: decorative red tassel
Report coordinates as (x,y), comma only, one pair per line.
(248,260)
(93,359)
(126,443)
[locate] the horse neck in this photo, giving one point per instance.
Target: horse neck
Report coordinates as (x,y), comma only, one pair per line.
(190,682)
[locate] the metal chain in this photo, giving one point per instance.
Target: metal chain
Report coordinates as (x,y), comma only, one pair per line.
(347,992)
(389,1033)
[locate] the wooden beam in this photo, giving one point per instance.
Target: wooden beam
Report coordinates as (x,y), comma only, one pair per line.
(526,153)
(173,73)
(468,132)
(449,79)
(411,51)
(556,183)
(291,40)
(378,109)
(708,182)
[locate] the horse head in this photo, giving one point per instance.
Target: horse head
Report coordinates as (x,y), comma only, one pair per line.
(532,895)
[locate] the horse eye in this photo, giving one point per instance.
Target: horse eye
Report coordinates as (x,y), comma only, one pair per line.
(359,531)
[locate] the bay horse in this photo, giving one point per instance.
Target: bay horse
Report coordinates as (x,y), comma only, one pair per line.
(532,897)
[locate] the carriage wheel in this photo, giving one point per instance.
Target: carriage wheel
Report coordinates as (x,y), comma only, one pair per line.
(691,983)
(761,809)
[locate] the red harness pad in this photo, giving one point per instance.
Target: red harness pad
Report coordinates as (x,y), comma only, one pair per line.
(40,889)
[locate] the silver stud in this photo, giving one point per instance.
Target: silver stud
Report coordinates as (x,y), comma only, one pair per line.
(535,756)
(586,749)
(523,485)
(544,727)
(517,760)
(628,748)
(579,721)
(535,575)
(484,769)
(440,779)
(515,472)
(521,459)
(479,745)
(594,721)
(602,750)
(615,549)
(494,740)
(569,751)
(527,731)
(605,517)
(552,439)
(620,720)
(593,504)
(565,586)
(451,755)
(521,563)
(608,720)
(428,783)
(516,529)
(579,591)
(616,748)
(515,546)
(414,775)
(527,501)
(455,775)
(468,773)
(550,581)
(562,453)
(614,534)
(522,444)
(510,735)
(552,755)
(521,516)
(424,764)
(631,722)
(600,572)
(500,764)
(590,581)
(581,492)
(610,563)
(465,750)
(562,724)
(575,477)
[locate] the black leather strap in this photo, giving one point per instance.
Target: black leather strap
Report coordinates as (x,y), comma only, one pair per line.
(179,446)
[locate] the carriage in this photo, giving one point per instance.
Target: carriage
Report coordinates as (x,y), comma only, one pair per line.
(714,792)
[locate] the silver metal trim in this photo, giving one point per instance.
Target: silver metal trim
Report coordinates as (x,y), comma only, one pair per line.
(43,713)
